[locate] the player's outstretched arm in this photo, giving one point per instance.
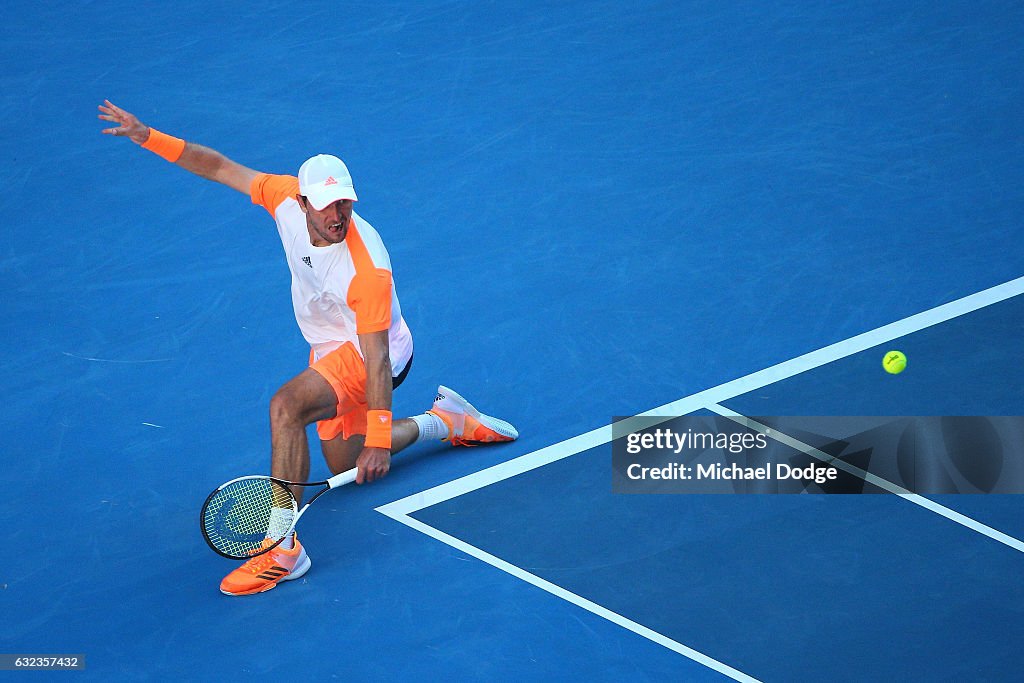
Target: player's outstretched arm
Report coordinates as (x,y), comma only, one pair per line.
(202,161)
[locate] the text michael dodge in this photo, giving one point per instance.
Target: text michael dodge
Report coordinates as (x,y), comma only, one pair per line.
(819,474)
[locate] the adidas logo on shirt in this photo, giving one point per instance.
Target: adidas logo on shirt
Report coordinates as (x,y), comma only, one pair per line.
(307,261)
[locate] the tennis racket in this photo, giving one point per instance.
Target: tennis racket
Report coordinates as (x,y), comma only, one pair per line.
(251,515)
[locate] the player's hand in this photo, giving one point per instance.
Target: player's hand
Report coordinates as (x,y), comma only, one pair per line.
(373,463)
(128,125)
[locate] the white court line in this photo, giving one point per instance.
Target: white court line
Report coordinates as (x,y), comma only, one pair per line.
(400,510)
(708,397)
(884,484)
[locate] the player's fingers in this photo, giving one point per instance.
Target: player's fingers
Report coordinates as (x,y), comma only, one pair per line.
(360,475)
(112,116)
(113,131)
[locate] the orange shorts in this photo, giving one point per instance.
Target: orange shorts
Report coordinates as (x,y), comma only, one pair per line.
(345,371)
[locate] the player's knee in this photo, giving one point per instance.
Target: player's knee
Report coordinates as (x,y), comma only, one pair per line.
(341,454)
(285,409)
(337,466)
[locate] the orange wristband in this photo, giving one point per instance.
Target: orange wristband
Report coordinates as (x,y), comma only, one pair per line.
(378,429)
(164,145)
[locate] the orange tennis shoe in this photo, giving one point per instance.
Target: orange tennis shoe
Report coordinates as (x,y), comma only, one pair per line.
(467,426)
(265,571)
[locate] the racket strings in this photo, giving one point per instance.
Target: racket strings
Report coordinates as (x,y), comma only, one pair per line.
(239,518)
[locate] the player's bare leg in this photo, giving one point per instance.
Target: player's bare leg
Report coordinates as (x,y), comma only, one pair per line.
(301,401)
(341,454)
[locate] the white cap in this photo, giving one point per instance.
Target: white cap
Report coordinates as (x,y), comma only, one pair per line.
(324,179)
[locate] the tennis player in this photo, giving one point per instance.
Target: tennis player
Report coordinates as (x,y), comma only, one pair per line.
(347,309)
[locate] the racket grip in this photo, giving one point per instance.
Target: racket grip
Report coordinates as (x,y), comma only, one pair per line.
(346,477)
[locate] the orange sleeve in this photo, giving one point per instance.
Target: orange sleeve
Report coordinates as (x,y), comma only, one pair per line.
(369,296)
(270,190)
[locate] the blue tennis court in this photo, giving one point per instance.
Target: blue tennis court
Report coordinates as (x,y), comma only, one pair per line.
(592,209)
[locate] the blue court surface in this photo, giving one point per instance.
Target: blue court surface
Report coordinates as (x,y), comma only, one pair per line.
(592,209)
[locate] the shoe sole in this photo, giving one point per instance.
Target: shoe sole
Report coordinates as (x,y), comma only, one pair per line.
(291,576)
(492,423)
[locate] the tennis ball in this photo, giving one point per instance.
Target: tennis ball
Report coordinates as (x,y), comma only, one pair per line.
(894,362)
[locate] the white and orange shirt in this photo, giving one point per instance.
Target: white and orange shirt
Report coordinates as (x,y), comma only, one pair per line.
(338,291)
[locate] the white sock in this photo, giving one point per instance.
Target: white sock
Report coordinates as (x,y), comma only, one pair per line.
(289,542)
(432,428)
(280,521)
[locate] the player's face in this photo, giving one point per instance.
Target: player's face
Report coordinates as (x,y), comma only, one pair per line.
(330,225)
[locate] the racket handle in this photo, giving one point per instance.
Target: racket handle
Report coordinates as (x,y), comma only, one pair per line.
(343,478)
